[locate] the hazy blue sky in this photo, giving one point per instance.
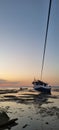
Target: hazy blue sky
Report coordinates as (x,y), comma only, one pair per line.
(22,33)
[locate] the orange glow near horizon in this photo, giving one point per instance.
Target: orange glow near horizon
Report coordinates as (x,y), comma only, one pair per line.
(22,35)
(25,78)
(25,82)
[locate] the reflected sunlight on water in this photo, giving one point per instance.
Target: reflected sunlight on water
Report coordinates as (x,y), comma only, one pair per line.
(34,110)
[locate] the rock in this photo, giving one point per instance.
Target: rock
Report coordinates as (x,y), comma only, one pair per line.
(5,120)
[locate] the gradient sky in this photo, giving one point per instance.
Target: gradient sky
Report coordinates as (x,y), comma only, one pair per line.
(22,33)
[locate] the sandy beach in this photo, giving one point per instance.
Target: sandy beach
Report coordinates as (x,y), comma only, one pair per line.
(34,110)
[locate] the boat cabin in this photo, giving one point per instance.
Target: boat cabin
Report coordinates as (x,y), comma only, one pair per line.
(39,82)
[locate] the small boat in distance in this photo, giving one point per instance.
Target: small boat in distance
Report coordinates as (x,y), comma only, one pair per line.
(41,86)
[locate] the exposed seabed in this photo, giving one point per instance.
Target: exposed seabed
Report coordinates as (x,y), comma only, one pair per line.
(34,110)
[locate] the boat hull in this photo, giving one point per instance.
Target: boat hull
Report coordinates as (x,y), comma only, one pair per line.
(43,89)
(41,86)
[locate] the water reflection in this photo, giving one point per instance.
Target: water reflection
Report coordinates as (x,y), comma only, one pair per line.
(33,109)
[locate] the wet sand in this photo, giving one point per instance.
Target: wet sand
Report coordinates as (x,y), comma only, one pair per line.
(35,111)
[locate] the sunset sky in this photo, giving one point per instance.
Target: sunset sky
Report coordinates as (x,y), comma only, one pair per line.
(22,34)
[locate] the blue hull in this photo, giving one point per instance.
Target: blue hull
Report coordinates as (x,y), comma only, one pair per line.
(44,90)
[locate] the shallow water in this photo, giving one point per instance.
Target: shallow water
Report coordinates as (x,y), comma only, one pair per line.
(35,111)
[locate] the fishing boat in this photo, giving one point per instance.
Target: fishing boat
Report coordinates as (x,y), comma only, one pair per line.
(41,86)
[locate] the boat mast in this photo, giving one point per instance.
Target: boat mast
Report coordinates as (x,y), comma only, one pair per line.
(46,38)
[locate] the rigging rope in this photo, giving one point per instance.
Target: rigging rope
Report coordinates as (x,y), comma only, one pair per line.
(46,38)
